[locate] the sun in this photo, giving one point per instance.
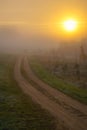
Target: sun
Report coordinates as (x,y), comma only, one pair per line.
(70,25)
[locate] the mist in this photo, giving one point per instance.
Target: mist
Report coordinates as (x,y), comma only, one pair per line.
(14,40)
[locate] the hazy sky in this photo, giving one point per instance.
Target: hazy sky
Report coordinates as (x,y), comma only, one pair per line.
(41,13)
(40,10)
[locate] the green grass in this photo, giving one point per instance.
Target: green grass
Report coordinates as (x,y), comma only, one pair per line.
(17,111)
(67,88)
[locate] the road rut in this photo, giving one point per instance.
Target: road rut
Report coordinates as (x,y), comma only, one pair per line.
(72,122)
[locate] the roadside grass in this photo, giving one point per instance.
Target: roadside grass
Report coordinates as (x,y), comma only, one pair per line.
(67,88)
(18,111)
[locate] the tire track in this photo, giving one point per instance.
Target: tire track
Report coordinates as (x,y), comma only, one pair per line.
(64,99)
(45,102)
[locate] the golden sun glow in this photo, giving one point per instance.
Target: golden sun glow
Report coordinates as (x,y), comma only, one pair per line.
(70,25)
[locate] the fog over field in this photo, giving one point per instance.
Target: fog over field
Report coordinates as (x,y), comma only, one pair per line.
(14,40)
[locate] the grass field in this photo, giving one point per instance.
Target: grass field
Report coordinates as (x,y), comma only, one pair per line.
(17,111)
(49,78)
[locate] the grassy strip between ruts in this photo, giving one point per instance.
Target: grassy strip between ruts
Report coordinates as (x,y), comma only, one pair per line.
(49,78)
(17,111)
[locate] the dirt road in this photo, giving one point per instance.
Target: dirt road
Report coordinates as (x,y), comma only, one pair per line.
(72,121)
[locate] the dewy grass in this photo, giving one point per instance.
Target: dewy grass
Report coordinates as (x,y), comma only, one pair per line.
(67,88)
(17,111)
